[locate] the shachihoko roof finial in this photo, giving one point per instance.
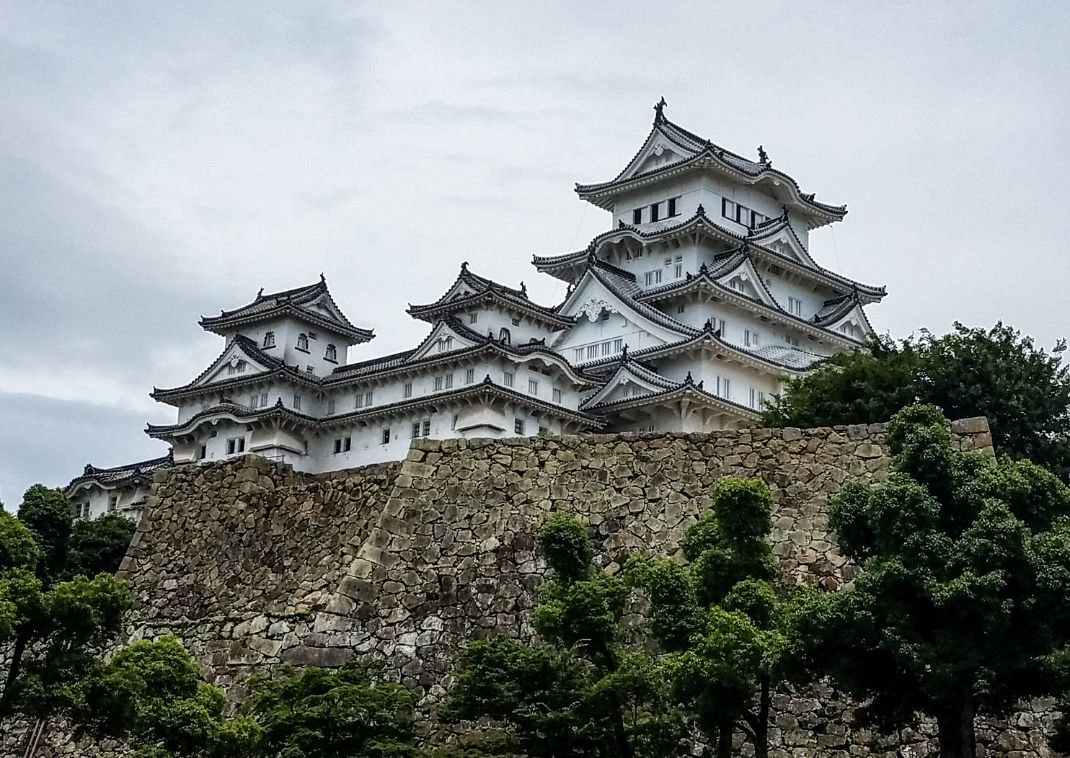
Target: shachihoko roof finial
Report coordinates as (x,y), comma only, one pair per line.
(322,277)
(763,157)
(659,116)
(464,265)
(523,289)
(260,292)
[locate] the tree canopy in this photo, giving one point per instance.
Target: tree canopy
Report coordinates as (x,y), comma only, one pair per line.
(727,624)
(581,691)
(962,597)
(1022,390)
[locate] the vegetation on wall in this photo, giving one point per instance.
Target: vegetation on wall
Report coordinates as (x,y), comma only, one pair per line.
(998,373)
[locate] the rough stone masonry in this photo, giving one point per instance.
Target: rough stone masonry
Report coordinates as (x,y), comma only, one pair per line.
(252,564)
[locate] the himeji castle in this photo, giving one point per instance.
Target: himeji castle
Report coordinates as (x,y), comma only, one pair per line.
(687,315)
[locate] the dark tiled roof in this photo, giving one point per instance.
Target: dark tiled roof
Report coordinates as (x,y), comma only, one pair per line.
(230,409)
(686,387)
(276,369)
(122,476)
(622,283)
(700,221)
(699,151)
(486,387)
(402,362)
(481,290)
(293,302)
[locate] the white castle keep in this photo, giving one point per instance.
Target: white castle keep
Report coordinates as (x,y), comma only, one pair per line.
(686,316)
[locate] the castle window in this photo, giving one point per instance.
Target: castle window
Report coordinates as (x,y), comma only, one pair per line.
(235,445)
(750,339)
(592,351)
(795,306)
(793,341)
(330,407)
(269,339)
(533,387)
(672,207)
(516,322)
(331,354)
(415,429)
(757,399)
(427,427)
(343,445)
(504,336)
(113,502)
(263,400)
(518,426)
(385,436)
(724,387)
(337,446)
(453,423)
(473,317)
(557,395)
(653,277)
(654,211)
(407,390)
(637,216)
(297,402)
(578,354)
(254,400)
(440,381)
(728,209)
(203,453)
(508,379)
(469,376)
(618,345)
(680,308)
(302,342)
(605,348)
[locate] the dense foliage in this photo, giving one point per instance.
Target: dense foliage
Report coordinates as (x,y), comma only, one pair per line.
(98,545)
(344,713)
(1023,391)
(151,694)
(581,692)
(729,630)
(962,600)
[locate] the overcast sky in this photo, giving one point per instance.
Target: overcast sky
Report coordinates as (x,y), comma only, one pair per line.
(159,161)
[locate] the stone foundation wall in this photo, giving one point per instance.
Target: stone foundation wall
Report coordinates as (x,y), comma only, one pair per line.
(252,564)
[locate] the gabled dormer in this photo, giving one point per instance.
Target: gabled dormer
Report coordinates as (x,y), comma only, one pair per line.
(675,171)
(302,327)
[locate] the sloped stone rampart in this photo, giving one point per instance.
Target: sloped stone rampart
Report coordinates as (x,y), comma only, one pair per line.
(252,564)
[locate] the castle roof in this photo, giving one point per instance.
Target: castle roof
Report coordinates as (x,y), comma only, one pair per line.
(274,368)
(481,390)
(130,474)
(478,344)
(469,289)
(312,304)
(569,265)
(693,152)
(687,389)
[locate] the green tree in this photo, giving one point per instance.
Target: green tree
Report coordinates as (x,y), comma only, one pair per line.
(581,691)
(48,515)
(98,545)
(730,632)
(962,598)
(1023,391)
(151,694)
(343,713)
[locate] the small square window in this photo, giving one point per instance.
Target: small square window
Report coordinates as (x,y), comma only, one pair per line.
(439,382)
(518,426)
(385,437)
(637,216)
(368,398)
(672,207)
(337,446)
(113,502)
(407,391)
(347,444)
(297,402)
(473,317)
(681,308)
(427,426)
(654,211)
(469,376)
(330,407)
(415,429)
(449,381)
(533,387)
(508,379)
(557,395)
(516,322)
(263,400)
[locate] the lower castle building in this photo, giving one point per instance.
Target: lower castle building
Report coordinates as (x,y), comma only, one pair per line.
(688,314)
